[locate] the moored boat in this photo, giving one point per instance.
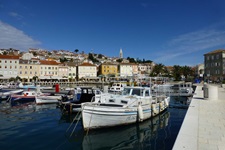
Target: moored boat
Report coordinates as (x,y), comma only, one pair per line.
(133,105)
(7,94)
(47,99)
(26,96)
(79,96)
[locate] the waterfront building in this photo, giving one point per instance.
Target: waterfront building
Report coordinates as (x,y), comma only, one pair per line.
(108,69)
(29,69)
(9,66)
(49,69)
(134,68)
(125,69)
(86,70)
(145,68)
(214,62)
(72,70)
(63,71)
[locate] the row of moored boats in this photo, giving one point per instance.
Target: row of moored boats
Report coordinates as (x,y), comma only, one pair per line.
(99,109)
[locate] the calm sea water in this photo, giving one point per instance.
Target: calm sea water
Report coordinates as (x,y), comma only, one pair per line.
(32,127)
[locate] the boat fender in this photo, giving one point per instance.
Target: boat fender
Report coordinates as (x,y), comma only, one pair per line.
(25,94)
(154,111)
(161,105)
(166,102)
(140,113)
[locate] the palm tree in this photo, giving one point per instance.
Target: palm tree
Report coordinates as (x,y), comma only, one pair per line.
(159,69)
(177,72)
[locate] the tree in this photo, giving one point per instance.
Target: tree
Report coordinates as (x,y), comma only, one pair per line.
(131,60)
(91,57)
(177,72)
(18,78)
(76,50)
(158,70)
(187,72)
(100,56)
(119,60)
(62,60)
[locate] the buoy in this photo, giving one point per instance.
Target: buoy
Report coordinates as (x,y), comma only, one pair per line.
(140,113)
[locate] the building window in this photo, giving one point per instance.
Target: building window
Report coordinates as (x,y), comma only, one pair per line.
(30,67)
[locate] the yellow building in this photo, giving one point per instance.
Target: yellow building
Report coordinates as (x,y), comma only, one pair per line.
(108,69)
(28,69)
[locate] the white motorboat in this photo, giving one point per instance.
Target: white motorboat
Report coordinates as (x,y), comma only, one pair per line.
(7,94)
(40,99)
(117,87)
(135,104)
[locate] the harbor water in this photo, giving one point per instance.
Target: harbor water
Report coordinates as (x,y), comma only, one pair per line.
(35,127)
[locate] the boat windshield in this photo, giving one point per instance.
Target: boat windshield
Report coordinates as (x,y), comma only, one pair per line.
(126,91)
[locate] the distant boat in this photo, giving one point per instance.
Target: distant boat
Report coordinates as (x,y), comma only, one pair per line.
(7,94)
(27,86)
(26,96)
(117,87)
(47,99)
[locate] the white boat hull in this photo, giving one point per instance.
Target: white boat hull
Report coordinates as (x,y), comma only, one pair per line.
(99,116)
(47,99)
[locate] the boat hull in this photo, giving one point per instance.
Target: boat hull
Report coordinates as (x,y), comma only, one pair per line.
(47,99)
(100,116)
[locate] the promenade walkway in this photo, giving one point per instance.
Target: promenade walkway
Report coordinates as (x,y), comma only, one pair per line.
(204,124)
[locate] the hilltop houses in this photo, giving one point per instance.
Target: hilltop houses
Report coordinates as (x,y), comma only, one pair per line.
(42,65)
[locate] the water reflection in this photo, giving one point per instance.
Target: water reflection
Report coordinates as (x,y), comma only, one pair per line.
(180,101)
(138,136)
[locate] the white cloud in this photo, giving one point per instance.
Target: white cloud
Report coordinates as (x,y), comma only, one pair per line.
(14,38)
(187,44)
(16,15)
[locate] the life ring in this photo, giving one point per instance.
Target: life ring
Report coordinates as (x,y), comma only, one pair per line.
(25,94)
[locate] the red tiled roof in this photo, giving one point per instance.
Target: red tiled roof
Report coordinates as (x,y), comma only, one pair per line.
(46,62)
(9,57)
(87,64)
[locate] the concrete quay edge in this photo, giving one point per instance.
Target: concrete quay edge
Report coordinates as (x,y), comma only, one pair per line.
(203,127)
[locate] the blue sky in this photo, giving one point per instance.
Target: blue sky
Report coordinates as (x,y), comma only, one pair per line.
(171,32)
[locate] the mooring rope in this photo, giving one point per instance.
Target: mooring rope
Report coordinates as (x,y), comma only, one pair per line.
(75,125)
